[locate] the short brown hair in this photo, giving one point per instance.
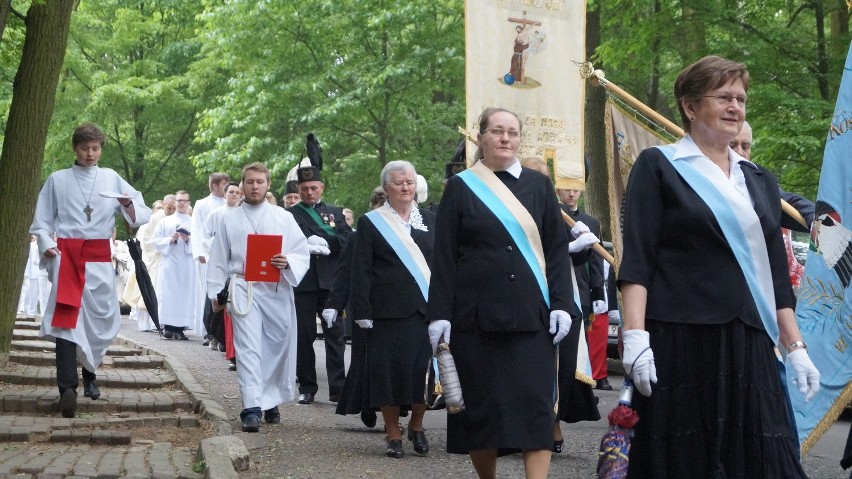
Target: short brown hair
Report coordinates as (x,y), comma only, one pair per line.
(218,177)
(256,166)
(704,75)
(87,132)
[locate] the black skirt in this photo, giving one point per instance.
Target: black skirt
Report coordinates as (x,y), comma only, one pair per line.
(718,408)
(576,398)
(397,355)
(353,395)
(508,384)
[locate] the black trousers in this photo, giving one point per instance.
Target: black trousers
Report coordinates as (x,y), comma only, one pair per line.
(66,366)
(308,305)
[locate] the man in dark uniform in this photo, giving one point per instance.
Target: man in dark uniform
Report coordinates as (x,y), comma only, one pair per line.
(325,227)
(588,268)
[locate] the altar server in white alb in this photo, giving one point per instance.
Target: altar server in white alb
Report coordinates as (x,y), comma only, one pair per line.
(264,312)
(178,276)
(79,205)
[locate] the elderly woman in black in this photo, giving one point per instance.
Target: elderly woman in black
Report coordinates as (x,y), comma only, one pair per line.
(707,298)
(501,288)
(390,282)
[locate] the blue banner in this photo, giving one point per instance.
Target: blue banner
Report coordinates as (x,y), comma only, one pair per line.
(823,310)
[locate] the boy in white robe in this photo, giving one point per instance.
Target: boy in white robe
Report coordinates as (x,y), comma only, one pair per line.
(178,276)
(79,204)
(264,312)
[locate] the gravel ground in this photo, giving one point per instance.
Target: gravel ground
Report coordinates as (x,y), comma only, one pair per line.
(313,442)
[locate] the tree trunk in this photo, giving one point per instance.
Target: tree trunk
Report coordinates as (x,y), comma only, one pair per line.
(33,94)
(597,196)
(822,55)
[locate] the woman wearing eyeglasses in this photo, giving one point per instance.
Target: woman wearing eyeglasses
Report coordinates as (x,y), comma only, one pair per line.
(707,298)
(501,296)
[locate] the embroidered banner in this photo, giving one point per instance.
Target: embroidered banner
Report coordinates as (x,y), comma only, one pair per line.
(824,306)
(520,56)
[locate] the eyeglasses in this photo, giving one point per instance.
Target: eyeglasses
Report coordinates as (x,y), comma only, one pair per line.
(498,132)
(727,99)
(400,184)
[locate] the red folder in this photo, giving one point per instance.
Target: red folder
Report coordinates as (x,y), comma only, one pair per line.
(259,253)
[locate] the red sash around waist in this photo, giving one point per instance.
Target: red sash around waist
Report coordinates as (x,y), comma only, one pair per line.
(75,253)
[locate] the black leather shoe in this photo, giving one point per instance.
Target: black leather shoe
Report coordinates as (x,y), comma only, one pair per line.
(272,416)
(206,341)
(418,438)
(91,390)
(558,446)
(603,384)
(220,347)
(395,449)
(68,403)
(232,365)
(181,336)
(334,398)
(306,398)
(251,423)
(368,417)
(168,335)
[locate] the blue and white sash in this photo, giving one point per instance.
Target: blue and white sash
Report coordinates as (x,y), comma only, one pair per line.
(739,224)
(514,217)
(404,247)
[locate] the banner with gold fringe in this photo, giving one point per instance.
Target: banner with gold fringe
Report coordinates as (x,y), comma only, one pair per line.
(824,306)
(519,57)
(627,134)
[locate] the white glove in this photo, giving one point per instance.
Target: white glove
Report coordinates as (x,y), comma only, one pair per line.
(330,316)
(639,359)
(318,249)
(364,323)
(580,229)
(560,324)
(317,241)
(615,315)
(584,241)
(438,328)
(599,307)
(807,375)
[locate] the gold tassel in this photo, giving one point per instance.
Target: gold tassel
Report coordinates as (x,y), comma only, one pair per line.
(831,415)
(440,390)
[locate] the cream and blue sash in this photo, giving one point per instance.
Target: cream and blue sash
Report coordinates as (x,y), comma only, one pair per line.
(740,225)
(404,247)
(513,216)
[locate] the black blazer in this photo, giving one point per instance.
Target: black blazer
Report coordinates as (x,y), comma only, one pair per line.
(320,275)
(381,286)
(479,277)
(674,246)
(588,265)
(338,296)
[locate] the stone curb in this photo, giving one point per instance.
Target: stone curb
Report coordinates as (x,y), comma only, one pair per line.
(225,445)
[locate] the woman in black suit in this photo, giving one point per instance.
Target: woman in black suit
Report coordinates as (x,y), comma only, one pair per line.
(390,277)
(707,298)
(501,286)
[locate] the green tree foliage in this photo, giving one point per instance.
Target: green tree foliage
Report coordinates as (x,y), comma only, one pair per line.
(127,71)
(375,80)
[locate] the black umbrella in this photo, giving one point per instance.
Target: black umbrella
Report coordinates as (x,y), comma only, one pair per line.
(146,287)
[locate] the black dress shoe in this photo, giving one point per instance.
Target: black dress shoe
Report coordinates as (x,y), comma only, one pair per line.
(232,365)
(168,335)
(220,347)
(181,336)
(91,390)
(368,417)
(251,423)
(206,341)
(306,398)
(334,398)
(603,384)
(558,446)
(68,403)
(421,445)
(395,449)
(272,416)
